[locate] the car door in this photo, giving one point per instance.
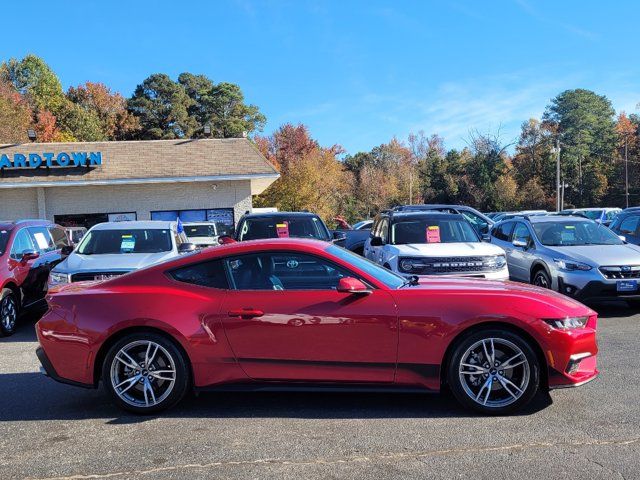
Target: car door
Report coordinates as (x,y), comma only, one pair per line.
(501,236)
(371,250)
(521,258)
(22,270)
(285,320)
(630,229)
(42,265)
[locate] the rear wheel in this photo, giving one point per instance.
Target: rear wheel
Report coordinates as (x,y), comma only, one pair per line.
(541,279)
(8,312)
(494,371)
(145,373)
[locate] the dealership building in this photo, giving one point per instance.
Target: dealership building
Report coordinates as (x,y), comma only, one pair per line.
(84,183)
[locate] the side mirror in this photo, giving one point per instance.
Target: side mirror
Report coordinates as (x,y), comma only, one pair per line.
(224,239)
(29,255)
(376,241)
(519,243)
(352,285)
(66,250)
(187,247)
(486,237)
(339,238)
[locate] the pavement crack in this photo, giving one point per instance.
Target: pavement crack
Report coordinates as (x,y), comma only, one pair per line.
(348,459)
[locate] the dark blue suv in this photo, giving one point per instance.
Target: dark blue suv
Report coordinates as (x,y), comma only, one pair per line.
(627,224)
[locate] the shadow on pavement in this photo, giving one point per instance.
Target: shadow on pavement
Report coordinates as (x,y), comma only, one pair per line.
(32,396)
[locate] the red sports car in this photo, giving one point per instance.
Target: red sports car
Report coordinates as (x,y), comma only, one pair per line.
(296,314)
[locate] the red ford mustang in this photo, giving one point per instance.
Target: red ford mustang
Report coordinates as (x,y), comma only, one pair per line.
(301,313)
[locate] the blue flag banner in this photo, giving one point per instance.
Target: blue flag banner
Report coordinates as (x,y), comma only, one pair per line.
(180,227)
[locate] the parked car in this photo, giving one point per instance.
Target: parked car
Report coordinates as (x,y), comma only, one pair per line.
(433,243)
(627,224)
(596,214)
(478,220)
(75,234)
(572,255)
(363,225)
(28,250)
(296,314)
(257,226)
(201,234)
(111,249)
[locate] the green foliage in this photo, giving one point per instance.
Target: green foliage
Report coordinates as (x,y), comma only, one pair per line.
(33,78)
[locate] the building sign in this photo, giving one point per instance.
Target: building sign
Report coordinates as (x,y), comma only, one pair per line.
(50,160)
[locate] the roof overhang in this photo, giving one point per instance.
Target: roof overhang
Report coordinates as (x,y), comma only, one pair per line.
(259,181)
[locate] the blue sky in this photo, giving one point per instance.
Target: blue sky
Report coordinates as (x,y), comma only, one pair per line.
(356,72)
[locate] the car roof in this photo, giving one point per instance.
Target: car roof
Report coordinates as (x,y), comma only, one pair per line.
(34,222)
(423,214)
(558,219)
(135,224)
(279,214)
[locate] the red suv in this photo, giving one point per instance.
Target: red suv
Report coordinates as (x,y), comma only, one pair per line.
(29,249)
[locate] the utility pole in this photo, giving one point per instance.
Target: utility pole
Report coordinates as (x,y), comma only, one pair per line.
(557,152)
(626,170)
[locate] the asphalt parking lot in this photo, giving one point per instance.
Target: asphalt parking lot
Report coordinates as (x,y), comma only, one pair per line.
(49,430)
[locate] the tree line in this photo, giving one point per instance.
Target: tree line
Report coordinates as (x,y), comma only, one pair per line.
(489,173)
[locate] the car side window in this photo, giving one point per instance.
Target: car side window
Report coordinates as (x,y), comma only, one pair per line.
(629,226)
(284,271)
(522,233)
(476,221)
(502,231)
(42,239)
(59,237)
(384,230)
(376,227)
(206,274)
(21,243)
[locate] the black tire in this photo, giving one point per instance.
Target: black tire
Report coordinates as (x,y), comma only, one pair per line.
(541,278)
(504,401)
(8,312)
(167,356)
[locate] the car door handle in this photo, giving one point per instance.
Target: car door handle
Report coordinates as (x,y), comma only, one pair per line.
(246,313)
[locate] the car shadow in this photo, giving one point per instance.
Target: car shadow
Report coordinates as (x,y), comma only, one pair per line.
(614,309)
(32,396)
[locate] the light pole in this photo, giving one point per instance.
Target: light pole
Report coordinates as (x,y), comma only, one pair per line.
(556,150)
(626,170)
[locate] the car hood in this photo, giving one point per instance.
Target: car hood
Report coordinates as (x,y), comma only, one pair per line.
(534,301)
(599,255)
(76,262)
(448,249)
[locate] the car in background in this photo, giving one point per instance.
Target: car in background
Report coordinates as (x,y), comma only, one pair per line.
(627,224)
(75,234)
(604,215)
(305,314)
(572,255)
(28,251)
(112,249)
(433,243)
(363,225)
(258,226)
(201,234)
(528,213)
(479,221)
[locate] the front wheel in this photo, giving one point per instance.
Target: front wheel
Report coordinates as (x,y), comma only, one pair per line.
(8,312)
(494,371)
(145,373)
(541,279)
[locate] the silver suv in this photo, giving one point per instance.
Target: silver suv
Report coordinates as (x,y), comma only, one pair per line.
(573,255)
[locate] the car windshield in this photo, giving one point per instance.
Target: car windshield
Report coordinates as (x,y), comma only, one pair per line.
(4,239)
(283,227)
(565,234)
(432,230)
(387,277)
(147,240)
(200,230)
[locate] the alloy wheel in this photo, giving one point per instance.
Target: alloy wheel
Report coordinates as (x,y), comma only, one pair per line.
(494,372)
(143,373)
(540,280)
(8,313)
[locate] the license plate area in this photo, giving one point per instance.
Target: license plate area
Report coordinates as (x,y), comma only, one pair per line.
(627,285)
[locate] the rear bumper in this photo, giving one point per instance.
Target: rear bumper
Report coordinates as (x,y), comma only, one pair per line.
(48,370)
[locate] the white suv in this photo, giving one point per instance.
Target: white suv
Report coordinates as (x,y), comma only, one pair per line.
(433,243)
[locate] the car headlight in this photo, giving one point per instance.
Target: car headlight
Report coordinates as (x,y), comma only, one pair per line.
(496,262)
(567,323)
(570,265)
(56,278)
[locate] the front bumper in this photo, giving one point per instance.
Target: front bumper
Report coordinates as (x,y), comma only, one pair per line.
(494,275)
(593,289)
